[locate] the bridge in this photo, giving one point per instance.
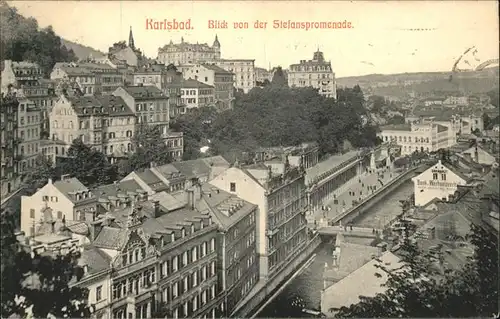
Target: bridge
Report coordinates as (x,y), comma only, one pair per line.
(349,231)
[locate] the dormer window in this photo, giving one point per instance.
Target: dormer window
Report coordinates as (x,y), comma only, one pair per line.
(192,229)
(183,233)
(201,225)
(85,111)
(172,237)
(78,196)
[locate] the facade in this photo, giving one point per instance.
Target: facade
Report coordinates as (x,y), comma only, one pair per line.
(92,78)
(19,74)
(439,181)
(281,223)
(9,139)
(305,155)
(459,123)
(173,85)
(426,136)
(243,70)
(238,267)
(457,100)
(29,127)
(61,201)
(261,75)
(195,94)
(222,80)
(433,101)
(316,73)
(152,74)
(185,53)
(324,178)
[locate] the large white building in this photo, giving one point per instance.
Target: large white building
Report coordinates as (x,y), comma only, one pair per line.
(244,72)
(187,53)
(422,137)
(316,73)
(439,181)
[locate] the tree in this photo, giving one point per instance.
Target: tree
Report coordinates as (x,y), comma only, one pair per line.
(420,289)
(279,79)
(38,177)
(89,166)
(149,147)
(37,284)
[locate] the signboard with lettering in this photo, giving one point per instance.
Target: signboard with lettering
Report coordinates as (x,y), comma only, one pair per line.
(436,184)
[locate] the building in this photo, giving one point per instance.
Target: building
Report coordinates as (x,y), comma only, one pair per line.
(29,127)
(363,281)
(195,94)
(222,80)
(65,200)
(19,74)
(173,91)
(238,267)
(261,75)
(105,123)
(459,122)
(423,137)
(305,155)
(316,73)
(439,181)
(480,155)
(151,74)
(150,106)
(243,70)
(433,101)
(457,100)
(281,223)
(92,78)
(186,53)
(9,139)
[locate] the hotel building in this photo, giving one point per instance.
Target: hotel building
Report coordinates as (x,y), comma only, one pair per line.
(243,70)
(187,53)
(316,73)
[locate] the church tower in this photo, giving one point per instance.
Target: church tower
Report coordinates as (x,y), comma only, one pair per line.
(216,47)
(131,40)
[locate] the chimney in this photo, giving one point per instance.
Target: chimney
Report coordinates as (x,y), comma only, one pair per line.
(156,205)
(50,181)
(152,165)
(190,198)
(476,155)
(64,177)
(95,228)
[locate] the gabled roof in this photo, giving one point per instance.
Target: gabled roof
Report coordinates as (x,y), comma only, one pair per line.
(95,259)
(227,209)
(111,238)
(216,69)
(144,92)
(69,186)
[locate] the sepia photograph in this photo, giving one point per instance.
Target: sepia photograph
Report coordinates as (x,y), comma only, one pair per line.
(249,159)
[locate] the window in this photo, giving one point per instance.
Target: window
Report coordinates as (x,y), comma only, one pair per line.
(98,293)
(443,176)
(434,176)
(175,264)
(212,245)
(45,198)
(232,187)
(175,290)
(184,258)
(32,213)
(186,284)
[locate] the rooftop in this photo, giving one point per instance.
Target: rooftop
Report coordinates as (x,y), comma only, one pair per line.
(396,127)
(194,84)
(216,69)
(144,92)
(330,163)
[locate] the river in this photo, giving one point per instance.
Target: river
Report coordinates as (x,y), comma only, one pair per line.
(304,291)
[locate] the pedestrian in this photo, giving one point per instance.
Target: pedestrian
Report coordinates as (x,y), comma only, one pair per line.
(373,231)
(351,227)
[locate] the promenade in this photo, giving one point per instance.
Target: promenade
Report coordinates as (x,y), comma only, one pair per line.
(351,193)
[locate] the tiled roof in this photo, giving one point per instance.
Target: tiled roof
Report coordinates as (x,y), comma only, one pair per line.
(144,92)
(103,104)
(360,282)
(167,201)
(77,227)
(95,259)
(194,84)
(199,167)
(328,164)
(115,189)
(219,203)
(216,69)
(396,127)
(169,171)
(111,238)
(70,185)
(148,177)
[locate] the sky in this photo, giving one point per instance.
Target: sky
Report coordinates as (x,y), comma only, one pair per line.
(384,38)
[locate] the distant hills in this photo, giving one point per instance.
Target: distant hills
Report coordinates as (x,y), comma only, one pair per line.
(81,51)
(423,83)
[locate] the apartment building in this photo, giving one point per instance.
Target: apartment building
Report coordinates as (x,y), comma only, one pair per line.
(459,122)
(195,94)
(261,75)
(20,74)
(222,80)
(243,70)
(238,267)
(421,137)
(105,123)
(9,176)
(316,73)
(150,106)
(281,198)
(173,89)
(29,127)
(185,52)
(92,78)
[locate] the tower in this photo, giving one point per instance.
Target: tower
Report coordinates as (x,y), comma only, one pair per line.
(216,47)
(131,39)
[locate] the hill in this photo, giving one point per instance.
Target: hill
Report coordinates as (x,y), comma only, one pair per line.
(81,51)
(424,83)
